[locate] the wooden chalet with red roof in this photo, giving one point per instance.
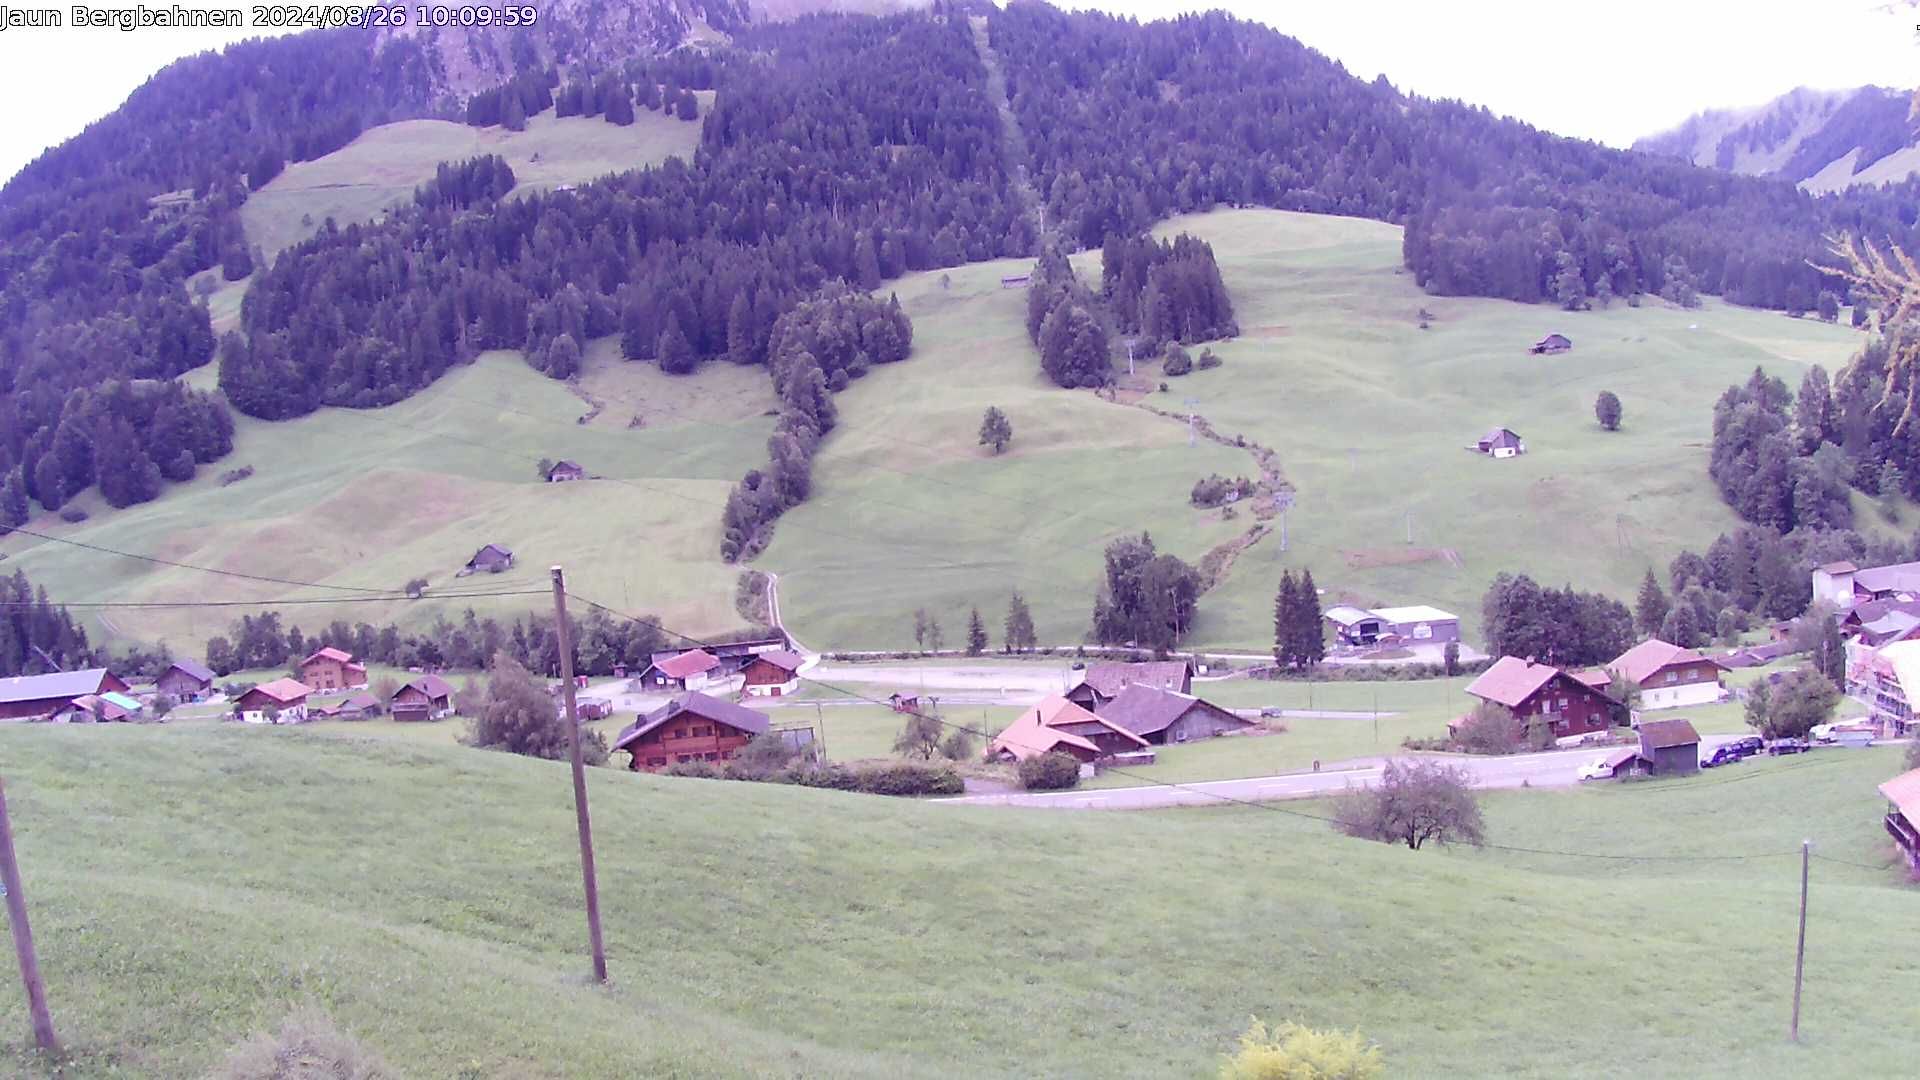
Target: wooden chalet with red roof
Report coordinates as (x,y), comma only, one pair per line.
(282,701)
(332,669)
(1057,724)
(1536,693)
(691,727)
(1668,676)
(423,697)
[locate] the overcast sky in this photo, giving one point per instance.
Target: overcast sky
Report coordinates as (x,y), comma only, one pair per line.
(1610,70)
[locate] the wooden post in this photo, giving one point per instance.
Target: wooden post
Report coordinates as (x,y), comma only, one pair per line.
(588,878)
(1800,951)
(43,1035)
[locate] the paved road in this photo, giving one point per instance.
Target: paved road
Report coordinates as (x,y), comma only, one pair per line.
(1556,768)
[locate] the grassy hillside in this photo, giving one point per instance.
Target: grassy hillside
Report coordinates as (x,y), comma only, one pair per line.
(382,167)
(190,886)
(374,498)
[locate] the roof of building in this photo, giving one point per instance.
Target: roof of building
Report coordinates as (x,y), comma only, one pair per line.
(122,700)
(1896,577)
(329,653)
(1594,677)
(1501,437)
(563,463)
(431,685)
(194,668)
(1890,624)
(1511,680)
(1621,756)
(1108,679)
(1555,337)
(1414,613)
(692,662)
(748,720)
(1665,734)
(1346,614)
(1641,662)
(56,684)
(359,699)
(282,690)
(1903,657)
(1038,730)
(1145,710)
(1841,567)
(1903,791)
(495,549)
(780,658)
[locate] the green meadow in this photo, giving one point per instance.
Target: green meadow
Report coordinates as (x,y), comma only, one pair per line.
(379,170)
(192,885)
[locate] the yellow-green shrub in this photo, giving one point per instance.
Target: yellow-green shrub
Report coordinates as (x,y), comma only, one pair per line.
(1293,1052)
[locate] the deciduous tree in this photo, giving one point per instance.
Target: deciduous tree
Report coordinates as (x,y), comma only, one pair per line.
(1413,803)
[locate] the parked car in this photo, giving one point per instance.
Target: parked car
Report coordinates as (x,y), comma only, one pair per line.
(1748,746)
(1787,746)
(1729,754)
(1597,769)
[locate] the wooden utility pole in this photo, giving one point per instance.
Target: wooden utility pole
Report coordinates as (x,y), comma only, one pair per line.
(565,639)
(43,1035)
(1800,951)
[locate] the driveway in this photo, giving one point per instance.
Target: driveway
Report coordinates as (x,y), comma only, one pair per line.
(1556,768)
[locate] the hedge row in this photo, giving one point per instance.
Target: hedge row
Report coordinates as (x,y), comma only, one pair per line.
(884,778)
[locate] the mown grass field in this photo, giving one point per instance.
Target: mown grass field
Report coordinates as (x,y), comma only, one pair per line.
(381,168)
(190,886)
(374,498)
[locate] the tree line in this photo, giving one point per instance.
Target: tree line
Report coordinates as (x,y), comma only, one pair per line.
(36,635)
(1167,290)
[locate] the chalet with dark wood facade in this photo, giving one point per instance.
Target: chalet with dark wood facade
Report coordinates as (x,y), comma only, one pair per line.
(1103,682)
(772,674)
(423,697)
(37,697)
(332,669)
(1536,693)
(1168,716)
(691,727)
(185,680)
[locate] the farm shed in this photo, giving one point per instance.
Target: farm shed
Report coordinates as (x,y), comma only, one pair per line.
(1418,622)
(185,680)
(35,697)
(423,697)
(493,559)
(564,471)
(691,727)
(1552,343)
(355,706)
(1670,747)
(1103,682)
(690,670)
(1166,716)
(332,669)
(1501,443)
(1352,625)
(772,674)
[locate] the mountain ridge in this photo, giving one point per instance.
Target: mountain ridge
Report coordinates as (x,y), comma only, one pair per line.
(1822,140)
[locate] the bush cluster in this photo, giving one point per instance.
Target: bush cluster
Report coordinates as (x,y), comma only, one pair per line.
(1051,771)
(883,778)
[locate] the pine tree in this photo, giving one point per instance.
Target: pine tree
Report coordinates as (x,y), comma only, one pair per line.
(740,335)
(674,350)
(1019,626)
(1311,646)
(976,634)
(866,263)
(1830,656)
(995,429)
(513,114)
(1286,605)
(617,103)
(13,498)
(1650,609)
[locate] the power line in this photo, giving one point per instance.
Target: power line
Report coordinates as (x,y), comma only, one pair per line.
(1152,781)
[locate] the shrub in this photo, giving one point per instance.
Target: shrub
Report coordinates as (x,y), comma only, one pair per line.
(959,746)
(909,778)
(768,752)
(1292,1052)
(73,515)
(1208,360)
(1490,729)
(307,1047)
(1051,771)
(1177,362)
(1215,489)
(161,706)
(416,587)
(835,777)
(234,476)
(700,770)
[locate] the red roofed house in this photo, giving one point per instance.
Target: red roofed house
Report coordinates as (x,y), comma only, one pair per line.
(691,670)
(1903,814)
(691,727)
(1059,724)
(36,697)
(1537,693)
(1669,676)
(772,674)
(282,701)
(332,669)
(423,697)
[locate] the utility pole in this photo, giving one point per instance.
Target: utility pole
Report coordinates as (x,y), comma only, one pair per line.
(1283,502)
(587,876)
(820,723)
(1129,357)
(1190,403)
(1800,951)
(43,1035)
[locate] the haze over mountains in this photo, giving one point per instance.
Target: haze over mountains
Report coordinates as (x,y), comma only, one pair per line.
(1823,140)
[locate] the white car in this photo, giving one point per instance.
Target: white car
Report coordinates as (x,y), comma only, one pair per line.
(1597,769)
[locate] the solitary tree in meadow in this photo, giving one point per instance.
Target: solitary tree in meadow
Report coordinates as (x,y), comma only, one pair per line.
(1019,626)
(976,634)
(1606,409)
(995,429)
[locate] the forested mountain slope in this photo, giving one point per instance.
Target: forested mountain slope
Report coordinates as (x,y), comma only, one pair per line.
(1823,140)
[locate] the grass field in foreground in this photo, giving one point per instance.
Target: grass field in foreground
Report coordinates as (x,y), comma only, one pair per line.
(373,498)
(191,886)
(381,168)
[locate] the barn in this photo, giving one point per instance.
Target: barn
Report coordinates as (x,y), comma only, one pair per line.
(35,697)
(1552,343)
(1669,747)
(694,669)
(564,471)
(185,680)
(423,697)
(492,559)
(1103,682)
(1166,716)
(1501,443)
(1059,724)
(772,674)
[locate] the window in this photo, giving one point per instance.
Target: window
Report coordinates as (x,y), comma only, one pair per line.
(713,757)
(1673,676)
(685,757)
(656,762)
(679,733)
